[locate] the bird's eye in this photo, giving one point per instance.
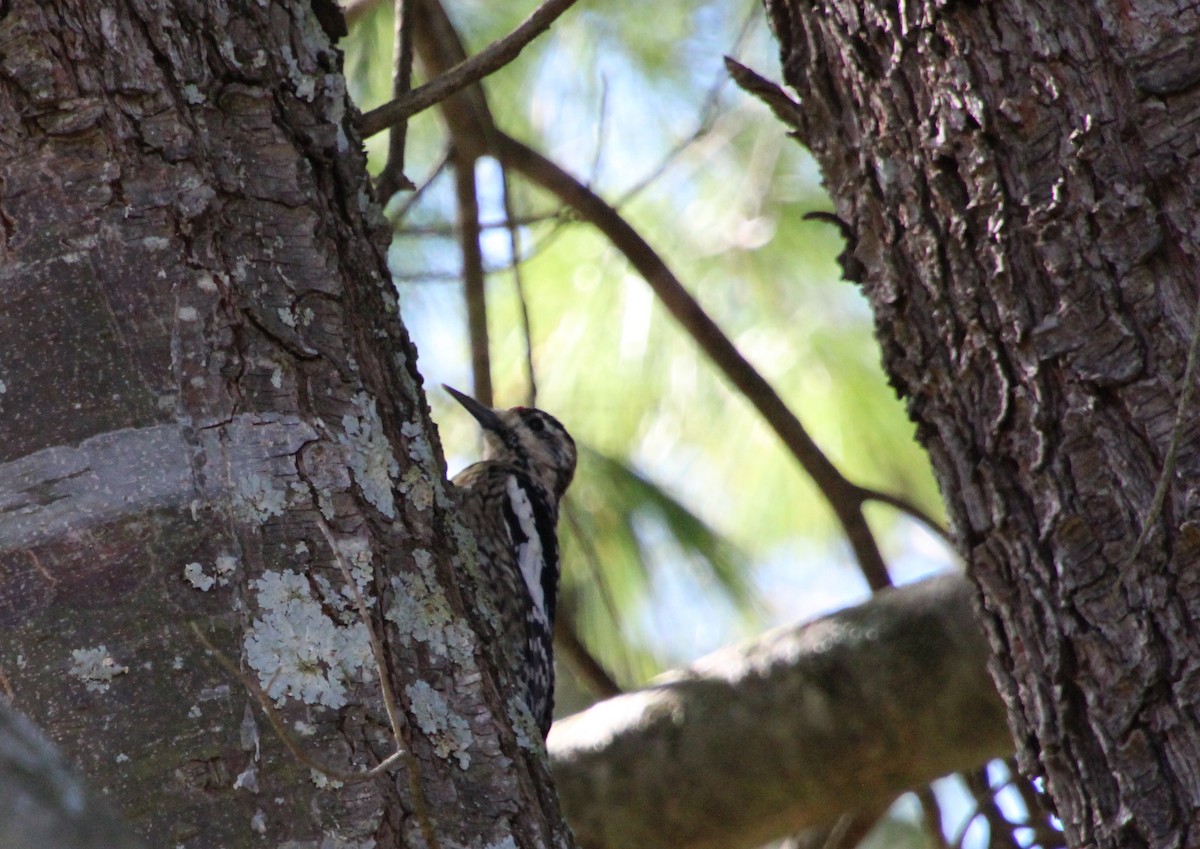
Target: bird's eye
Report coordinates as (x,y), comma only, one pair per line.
(537,425)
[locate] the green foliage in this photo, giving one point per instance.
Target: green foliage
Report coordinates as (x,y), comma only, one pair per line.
(609,539)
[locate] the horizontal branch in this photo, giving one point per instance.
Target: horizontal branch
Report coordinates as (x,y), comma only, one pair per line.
(788,732)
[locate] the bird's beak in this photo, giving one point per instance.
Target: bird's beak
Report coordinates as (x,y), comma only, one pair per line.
(486,416)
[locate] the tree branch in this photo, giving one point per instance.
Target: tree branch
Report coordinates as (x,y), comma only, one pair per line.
(393,179)
(843,496)
(512,225)
(473,128)
(492,58)
(788,732)
(474,283)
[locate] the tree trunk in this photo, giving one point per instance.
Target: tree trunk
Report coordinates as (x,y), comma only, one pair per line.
(210,416)
(1020,179)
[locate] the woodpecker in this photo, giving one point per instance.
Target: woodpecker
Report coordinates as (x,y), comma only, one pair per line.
(510,500)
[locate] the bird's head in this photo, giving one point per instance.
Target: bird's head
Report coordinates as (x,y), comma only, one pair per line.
(527,438)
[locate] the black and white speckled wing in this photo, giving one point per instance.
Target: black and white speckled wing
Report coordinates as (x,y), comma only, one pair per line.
(514,522)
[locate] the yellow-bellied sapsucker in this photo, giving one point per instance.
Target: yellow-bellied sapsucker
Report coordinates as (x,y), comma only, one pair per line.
(510,500)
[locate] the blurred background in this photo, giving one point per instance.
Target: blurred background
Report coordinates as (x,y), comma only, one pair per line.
(689,525)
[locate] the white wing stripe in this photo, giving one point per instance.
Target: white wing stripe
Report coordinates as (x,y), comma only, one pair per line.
(530,556)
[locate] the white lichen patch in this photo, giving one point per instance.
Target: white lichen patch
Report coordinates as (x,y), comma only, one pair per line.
(323,781)
(195,575)
(248,734)
(369,455)
(524,726)
(204,580)
(286,316)
(418,446)
(219,693)
(95,667)
(422,615)
(226,565)
(417,488)
(449,732)
(247,779)
(257,498)
(355,554)
(187,314)
(299,651)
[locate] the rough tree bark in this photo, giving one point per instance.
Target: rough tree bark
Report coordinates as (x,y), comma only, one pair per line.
(210,415)
(1020,178)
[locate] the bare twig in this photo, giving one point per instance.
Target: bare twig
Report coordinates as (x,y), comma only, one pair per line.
(853,831)
(772,94)
(493,57)
(852,268)
(908,508)
(280,728)
(390,704)
(474,281)
(601,127)
(1000,830)
(1037,819)
(439,46)
(411,200)
(391,707)
(436,277)
(850,830)
(395,722)
(595,572)
(385,684)
(514,250)
(447,230)
(392,178)
(931,818)
(843,496)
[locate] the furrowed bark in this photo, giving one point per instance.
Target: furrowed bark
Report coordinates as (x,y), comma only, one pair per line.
(203,371)
(1020,180)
